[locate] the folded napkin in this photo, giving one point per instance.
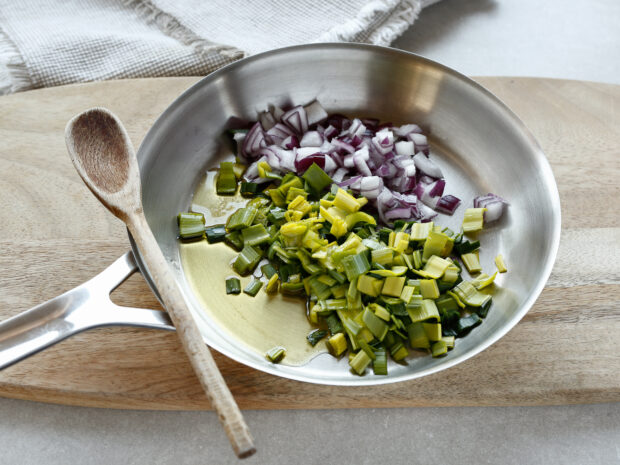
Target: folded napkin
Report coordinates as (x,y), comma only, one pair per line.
(48,43)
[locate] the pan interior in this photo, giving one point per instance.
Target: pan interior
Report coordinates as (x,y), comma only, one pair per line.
(479,144)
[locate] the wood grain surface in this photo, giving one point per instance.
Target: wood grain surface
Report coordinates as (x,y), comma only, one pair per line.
(54,235)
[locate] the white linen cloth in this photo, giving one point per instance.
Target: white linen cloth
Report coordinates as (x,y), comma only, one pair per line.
(48,43)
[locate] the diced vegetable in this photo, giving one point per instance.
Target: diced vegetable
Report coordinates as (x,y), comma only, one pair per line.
(316,194)
(253,287)
(233,286)
(226,183)
(276,354)
(191,225)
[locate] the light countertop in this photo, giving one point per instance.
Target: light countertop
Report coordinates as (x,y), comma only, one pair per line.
(574,39)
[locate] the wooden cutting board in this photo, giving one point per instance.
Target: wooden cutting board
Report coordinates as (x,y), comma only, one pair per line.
(55,235)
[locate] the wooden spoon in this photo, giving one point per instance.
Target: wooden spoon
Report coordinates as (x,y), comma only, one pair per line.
(104,157)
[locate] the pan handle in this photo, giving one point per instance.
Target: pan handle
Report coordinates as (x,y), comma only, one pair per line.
(84,307)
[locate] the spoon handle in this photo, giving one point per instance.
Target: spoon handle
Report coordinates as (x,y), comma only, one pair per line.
(199,355)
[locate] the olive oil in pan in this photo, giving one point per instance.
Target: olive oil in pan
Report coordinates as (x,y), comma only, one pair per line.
(260,322)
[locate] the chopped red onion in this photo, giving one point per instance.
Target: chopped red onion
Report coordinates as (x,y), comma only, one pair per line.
(426,166)
(494,205)
(302,164)
(404,148)
(267,120)
(315,113)
(447,204)
(311,139)
(296,119)
(387,164)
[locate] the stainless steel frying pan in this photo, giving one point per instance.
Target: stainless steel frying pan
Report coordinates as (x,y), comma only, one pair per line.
(479,143)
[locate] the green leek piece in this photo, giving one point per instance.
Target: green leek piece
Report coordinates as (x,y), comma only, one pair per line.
(439,348)
(449,340)
(277,197)
(242,218)
(320,290)
(429,289)
(379,365)
(473,220)
(253,287)
(268,270)
(293,181)
(393,286)
(359,217)
(276,354)
(239,169)
(366,348)
(246,261)
(483,280)
(446,303)
(215,233)
(397,308)
(355,265)
(415,302)
(315,336)
(451,275)
(226,183)
(295,192)
(375,325)
(370,286)
(469,295)
(346,201)
(417,336)
(276,215)
(435,267)
(360,362)
(234,240)
(467,323)
(433,331)
(466,247)
(471,262)
(380,311)
(191,225)
(407,293)
(316,178)
(398,351)
(499,262)
(337,344)
(333,324)
(249,189)
(425,312)
(340,291)
(233,286)
(292,288)
(337,276)
(272,284)
(327,279)
(434,245)
(416,258)
(255,235)
(420,231)
(335,304)
(384,234)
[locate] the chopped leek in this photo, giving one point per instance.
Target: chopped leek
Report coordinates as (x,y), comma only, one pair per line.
(253,287)
(315,336)
(233,286)
(247,260)
(360,362)
(276,354)
(473,220)
(226,183)
(471,262)
(499,262)
(373,291)
(191,225)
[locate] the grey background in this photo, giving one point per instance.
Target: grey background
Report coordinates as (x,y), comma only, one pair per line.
(575,39)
